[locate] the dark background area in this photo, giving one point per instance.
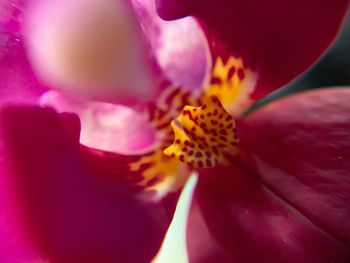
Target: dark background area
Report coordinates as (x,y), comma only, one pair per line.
(333,69)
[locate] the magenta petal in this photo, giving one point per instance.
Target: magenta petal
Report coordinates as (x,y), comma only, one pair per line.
(11,14)
(249,223)
(18,83)
(71,214)
(300,148)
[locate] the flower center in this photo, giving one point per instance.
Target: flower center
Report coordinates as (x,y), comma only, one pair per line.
(204,136)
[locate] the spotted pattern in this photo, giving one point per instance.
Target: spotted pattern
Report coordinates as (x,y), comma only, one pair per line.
(204,136)
(160,173)
(204,131)
(232,83)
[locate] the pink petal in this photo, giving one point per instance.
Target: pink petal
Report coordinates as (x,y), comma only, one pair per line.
(71,212)
(105,126)
(180,47)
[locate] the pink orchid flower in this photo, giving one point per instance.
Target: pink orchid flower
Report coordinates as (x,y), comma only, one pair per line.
(272,185)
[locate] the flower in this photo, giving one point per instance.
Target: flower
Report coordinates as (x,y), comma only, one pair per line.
(68,202)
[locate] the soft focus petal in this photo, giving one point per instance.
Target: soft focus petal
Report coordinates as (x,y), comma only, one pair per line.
(180,47)
(71,211)
(105,126)
(90,48)
(18,83)
(300,148)
(248,223)
(275,39)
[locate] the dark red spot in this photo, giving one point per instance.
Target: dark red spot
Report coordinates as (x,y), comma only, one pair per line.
(172,96)
(231,72)
(186,112)
(221,116)
(190,153)
(203,125)
(205,144)
(208,154)
(214,99)
(204,106)
(146,166)
(213,122)
(223,138)
(214,132)
(193,136)
(199,154)
(208,162)
(241,74)
(182,158)
(154,180)
(229,126)
(184,149)
(215,80)
(188,143)
(178,141)
(200,164)
(223,132)
(228,118)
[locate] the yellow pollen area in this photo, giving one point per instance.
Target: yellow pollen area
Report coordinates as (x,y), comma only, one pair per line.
(204,136)
(160,173)
(232,83)
(204,132)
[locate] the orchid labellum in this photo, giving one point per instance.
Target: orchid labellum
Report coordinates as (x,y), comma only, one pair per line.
(107,110)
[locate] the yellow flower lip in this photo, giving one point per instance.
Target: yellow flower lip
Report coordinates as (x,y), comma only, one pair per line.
(204,136)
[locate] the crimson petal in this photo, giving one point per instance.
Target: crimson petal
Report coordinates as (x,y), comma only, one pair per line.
(276,39)
(288,199)
(73,213)
(248,223)
(300,148)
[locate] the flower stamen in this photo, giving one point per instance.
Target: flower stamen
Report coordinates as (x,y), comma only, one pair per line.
(204,136)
